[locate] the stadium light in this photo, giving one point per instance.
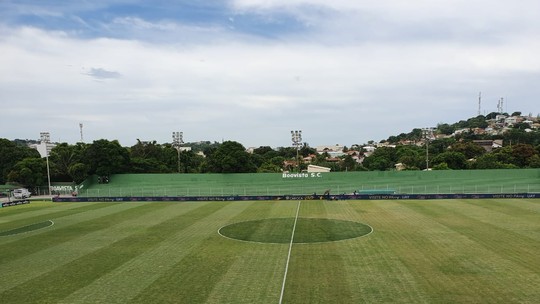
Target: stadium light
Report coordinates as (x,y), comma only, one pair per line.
(178,140)
(428,134)
(46,139)
(296,137)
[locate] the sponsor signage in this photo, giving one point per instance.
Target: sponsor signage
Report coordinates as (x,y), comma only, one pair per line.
(15,203)
(295,197)
(301,175)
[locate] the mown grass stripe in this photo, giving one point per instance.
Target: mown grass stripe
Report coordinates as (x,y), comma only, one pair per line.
(506,216)
(194,277)
(34,209)
(512,207)
(253,277)
(490,235)
(373,273)
(82,271)
(316,272)
(58,254)
(31,218)
(370,262)
(316,275)
(451,266)
(8,214)
(131,278)
(47,238)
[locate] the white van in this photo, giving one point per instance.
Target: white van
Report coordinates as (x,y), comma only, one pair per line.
(21,193)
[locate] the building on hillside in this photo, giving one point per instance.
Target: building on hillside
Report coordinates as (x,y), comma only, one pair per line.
(400,166)
(368,150)
(510,121)
(489,144)
(308,159)
(333,151)
(461,131)
(313,168)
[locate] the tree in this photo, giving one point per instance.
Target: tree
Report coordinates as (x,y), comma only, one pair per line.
(412,157)
(30,172)
(63,157)
(269,167)
(469,149)
(190,162)
(534,161)
(487,161)
(522,153)
(105,157)
(78,172)
(307,150)
(348,164)
(445,129)
(384,158)
(454,160)
(147,165)
(441,166)
(230,157)
(492,115)
(440,145)
(10,154)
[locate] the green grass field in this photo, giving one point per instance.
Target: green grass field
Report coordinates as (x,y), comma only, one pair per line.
(432,251)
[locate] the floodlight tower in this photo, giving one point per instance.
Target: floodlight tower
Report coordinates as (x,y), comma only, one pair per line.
(296,137)
(428,134)
(178,140)
(45,140)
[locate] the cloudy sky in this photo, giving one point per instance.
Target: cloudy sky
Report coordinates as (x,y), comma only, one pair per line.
(342,71)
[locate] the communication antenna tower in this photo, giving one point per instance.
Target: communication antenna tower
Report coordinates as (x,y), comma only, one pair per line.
(80,128)
(500,104)
(479,103)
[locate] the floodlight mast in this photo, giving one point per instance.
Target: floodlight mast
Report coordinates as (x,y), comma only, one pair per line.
(428,134)
(296,137)
(178,140)
(46,139)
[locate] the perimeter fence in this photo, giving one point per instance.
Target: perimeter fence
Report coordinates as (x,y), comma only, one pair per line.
(307,190)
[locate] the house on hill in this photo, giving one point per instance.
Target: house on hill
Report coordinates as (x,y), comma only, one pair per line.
(489,144)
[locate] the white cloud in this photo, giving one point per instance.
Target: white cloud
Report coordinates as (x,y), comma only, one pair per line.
(367,71)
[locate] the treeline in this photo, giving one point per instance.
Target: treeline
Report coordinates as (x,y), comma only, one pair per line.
(449,154)
(74,163)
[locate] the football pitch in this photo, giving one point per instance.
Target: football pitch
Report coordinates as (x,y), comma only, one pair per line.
(424,251)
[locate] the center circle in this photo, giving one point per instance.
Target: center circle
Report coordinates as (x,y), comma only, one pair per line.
(308,230)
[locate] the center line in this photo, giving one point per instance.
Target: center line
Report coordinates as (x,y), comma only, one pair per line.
(289,255)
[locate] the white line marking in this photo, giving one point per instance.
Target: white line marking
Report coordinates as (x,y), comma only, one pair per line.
(289,255)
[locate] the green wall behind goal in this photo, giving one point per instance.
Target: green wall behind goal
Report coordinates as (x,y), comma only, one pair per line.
(405,182)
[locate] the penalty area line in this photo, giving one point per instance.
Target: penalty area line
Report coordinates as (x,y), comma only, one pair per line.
(289,254)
